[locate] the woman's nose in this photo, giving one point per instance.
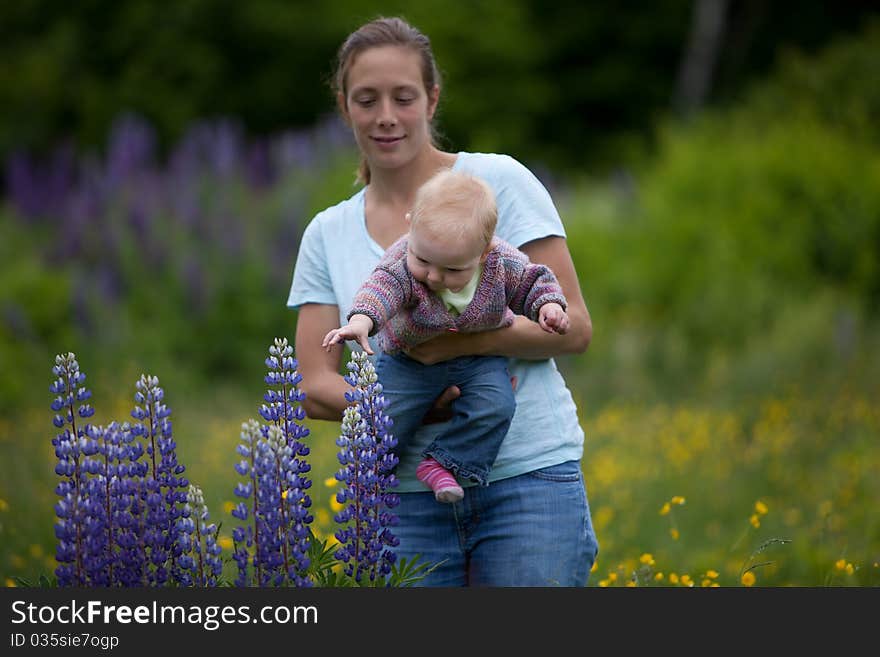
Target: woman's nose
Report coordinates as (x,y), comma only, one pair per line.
(386,115)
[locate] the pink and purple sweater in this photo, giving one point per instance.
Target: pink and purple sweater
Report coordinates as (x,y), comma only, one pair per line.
(406,312)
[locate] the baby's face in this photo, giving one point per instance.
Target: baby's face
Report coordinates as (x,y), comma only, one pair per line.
(442,263)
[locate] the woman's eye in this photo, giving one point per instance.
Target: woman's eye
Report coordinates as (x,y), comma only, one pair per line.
(365,102)
(405,100)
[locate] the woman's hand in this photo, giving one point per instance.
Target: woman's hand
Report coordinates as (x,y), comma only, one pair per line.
(441,411)
(445,347)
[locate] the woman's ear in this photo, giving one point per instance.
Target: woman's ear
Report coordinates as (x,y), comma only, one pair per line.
(408,217)
(341,104)
(433,100)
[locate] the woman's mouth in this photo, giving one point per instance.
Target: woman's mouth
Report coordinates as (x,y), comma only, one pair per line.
(386,142)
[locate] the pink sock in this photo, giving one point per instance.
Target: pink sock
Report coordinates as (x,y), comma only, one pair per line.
(440,480)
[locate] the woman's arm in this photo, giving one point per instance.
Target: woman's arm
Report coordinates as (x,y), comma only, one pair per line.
(524,338)
(321,381)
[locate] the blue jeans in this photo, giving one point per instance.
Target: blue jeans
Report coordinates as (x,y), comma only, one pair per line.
(530,530)
(469,443)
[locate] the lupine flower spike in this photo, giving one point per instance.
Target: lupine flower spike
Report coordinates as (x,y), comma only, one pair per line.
(365,454)
(164,490)
(200,563)
(70,403)
(272,549)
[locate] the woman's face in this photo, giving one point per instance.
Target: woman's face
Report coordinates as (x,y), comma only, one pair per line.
(387,106)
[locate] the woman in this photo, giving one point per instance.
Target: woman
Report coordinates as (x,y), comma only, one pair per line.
(531,526)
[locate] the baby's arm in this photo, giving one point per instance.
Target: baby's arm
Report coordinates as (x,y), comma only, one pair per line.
(358,328)
(552,318)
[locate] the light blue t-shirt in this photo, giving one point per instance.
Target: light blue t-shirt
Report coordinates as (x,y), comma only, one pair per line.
(337,255)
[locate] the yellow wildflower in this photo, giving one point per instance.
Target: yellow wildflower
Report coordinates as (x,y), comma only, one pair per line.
(850,569)
(712,574)
(658,577)
(10,583)
(673,578)
(686,580)
(4,505)
(225,542)
(284,494)
(664,509)
(330,482)
(706,583)
(761,508)
(678,499)
(755,520)
(748,578)
(715,585)
(612,577)
(603,583)
(630,584)
(335,505)
(674,533)
(228,506)
(840,564)
(322,516)
(35,550)
(647,559)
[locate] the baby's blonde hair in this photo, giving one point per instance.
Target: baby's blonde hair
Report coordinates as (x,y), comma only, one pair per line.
(456,205)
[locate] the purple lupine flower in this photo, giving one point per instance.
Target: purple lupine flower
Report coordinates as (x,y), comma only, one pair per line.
(283,547)
(39,190)
(275,543)
(93,502)
(163,490)
(367,461)
(283,408)
(246,537)
(131,148)
(200,562)
(70,403)
(260,172)
(127,474)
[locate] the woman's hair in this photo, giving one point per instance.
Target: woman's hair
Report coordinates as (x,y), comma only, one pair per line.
(384,32)
(457,205)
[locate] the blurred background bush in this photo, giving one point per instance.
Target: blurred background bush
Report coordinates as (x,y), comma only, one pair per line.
(716,165)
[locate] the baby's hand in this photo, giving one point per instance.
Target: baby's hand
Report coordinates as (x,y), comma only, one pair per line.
(358,328)
(552,318)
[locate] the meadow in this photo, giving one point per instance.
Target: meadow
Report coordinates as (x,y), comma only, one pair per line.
(729,397)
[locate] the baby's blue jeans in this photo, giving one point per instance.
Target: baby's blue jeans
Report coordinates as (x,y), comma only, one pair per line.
(481,415)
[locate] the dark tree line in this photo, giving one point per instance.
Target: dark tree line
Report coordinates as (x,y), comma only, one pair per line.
(569,84)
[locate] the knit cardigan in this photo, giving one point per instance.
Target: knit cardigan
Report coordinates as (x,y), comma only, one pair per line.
(405,312)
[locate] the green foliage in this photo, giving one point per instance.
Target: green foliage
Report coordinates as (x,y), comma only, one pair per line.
(747,246)
(567,84)
(326,570)
(834,88)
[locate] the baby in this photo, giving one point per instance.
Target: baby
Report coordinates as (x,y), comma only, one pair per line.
(450,273)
